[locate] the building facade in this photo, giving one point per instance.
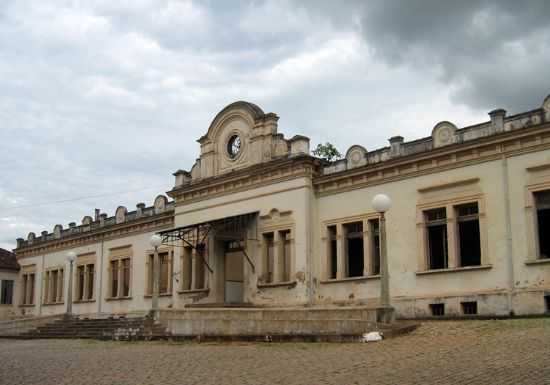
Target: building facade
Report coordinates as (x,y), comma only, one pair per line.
(259,221)
(9,272)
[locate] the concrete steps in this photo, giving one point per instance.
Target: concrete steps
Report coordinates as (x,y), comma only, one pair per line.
(112,328)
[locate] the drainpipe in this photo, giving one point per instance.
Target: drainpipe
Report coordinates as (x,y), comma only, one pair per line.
(509,240)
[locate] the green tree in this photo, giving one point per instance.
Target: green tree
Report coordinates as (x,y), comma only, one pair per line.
(327,152)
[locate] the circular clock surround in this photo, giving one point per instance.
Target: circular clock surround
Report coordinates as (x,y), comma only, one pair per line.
(234,146)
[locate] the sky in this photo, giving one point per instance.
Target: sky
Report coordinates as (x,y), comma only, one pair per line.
(101,101)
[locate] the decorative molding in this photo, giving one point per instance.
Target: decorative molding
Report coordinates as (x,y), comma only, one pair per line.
(143,225)
(444,186)
(454,270)
(508,144)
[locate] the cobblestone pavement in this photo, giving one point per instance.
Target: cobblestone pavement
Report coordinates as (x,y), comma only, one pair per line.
(444,352)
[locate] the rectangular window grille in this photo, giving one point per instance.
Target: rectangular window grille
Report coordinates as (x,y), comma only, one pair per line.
(437,309)
(354,249)
(542,201)
(469,308)
(6,292)
(436,229)
(469,241)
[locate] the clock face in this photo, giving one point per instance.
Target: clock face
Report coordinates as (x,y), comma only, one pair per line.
(234,146)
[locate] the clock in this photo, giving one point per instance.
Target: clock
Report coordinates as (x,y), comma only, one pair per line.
(234,146)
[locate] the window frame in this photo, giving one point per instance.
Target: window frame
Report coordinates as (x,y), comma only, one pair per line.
(280,269)
(150,254)
(452,220)
(342,269)
(118,255)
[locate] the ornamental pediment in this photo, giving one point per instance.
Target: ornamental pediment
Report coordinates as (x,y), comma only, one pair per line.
(241,135)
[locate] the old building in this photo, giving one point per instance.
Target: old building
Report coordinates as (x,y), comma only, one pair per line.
(9,269)
(258,220)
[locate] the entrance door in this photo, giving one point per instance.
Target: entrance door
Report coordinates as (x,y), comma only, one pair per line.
(234,276)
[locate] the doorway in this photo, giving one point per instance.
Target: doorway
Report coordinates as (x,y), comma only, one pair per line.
(234,272)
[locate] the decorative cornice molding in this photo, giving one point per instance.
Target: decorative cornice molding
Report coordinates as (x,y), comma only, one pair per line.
(534,138)
(253,177)
(146,224)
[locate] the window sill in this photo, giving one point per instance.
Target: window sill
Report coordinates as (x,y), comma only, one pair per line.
(454,269)
(84,300)
(289,284)
(351,279)
(540,261)
(160,295)
(117,298)
(53,303)
(193,291)
(28,305)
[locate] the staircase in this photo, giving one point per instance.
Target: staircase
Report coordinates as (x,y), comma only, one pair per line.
(117,328)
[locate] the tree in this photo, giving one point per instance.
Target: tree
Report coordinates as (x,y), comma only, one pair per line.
(327,152)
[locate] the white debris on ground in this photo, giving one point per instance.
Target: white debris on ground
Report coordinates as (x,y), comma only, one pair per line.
(372,337)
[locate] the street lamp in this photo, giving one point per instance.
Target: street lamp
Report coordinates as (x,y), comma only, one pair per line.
(382,203)
(71,256)
(156,241)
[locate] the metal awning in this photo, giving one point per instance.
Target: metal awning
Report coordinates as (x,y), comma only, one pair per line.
(194,236)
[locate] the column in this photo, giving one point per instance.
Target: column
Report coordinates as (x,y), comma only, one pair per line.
(59,294)
(367,250)
(85,283)
(193,269)
(452,238)
(277,257)
(120,273)
(340,252)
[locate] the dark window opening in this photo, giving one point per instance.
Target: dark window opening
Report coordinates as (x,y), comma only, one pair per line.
(375,246)
(355,250)
(285,240)
(469,308)
(114,278)
(333,258)
(90,281)
(199,266)
(80,278)
(437,309)
(547,303)
(469,234)
(542,200)
(6,296)
(436,226)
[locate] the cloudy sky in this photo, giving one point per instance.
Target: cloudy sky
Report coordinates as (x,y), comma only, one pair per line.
(100,101)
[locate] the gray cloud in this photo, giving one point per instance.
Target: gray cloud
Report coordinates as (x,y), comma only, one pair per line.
(103,97)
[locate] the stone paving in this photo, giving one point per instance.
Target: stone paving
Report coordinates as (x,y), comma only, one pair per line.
(444,352)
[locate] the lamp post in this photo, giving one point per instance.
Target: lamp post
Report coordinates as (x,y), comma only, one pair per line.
(155,241)
(71,256)
(382,203)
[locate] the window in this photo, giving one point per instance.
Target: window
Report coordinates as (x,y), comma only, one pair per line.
(437,309)
(165,273)
(53,286)
(354,249)
(85,282)
(284,236)
(186,268)
(436,231)
(375,245)
(269,256)
(542,201)
(121,270)
(276,256)
(468,234)
(125,277)
(469,308)
(199,266)
(6,292)
(547,303)
(333,252)
(114,278)
(28,289)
